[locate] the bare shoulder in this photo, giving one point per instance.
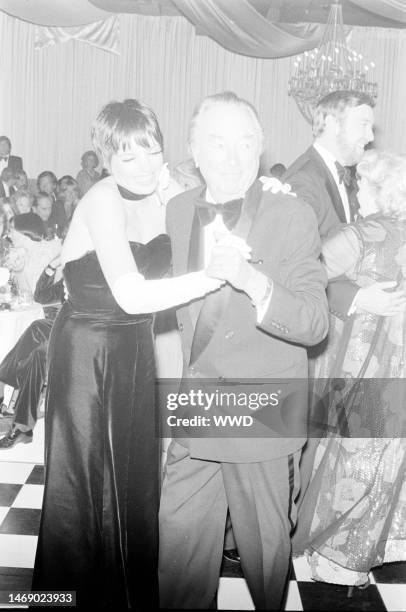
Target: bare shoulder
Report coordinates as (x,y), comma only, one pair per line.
(102,198)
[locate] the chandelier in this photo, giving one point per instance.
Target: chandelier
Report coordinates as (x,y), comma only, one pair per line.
(332,66)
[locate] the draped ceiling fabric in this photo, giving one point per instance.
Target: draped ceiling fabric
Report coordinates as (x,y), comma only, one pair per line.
(102,34)
(239,27)
(54,12)
(390,9)
(50,97)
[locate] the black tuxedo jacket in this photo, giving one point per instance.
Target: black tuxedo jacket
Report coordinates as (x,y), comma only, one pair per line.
(311,179)
(313,182)
(282,232)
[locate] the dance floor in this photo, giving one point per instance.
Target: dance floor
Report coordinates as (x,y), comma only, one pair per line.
(21,490)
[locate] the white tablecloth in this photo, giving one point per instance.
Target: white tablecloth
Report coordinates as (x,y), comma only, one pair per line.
(14,322)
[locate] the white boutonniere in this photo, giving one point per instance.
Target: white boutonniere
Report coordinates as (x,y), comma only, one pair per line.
(274,185)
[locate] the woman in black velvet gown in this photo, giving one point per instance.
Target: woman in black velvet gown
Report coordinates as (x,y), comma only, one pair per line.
(99,533)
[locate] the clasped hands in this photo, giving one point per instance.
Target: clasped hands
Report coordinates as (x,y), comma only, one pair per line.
(229,262)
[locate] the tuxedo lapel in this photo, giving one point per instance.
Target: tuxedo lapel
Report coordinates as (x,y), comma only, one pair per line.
(330,184)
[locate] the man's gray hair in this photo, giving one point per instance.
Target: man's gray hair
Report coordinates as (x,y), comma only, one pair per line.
(225,97)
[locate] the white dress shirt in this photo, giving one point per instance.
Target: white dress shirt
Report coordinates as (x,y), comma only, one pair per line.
(213,232)
(3,164)
(330,162)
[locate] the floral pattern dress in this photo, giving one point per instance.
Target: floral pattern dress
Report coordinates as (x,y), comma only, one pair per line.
(355,508)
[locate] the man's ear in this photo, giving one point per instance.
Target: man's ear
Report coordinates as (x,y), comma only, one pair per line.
(332,125)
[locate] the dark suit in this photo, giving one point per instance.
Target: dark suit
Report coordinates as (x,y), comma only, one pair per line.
(206,475)
(15,163)
(313,182)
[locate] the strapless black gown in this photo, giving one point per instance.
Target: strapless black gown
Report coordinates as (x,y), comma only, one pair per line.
(99,524)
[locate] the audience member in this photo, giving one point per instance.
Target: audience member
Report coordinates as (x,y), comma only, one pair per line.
(68,195)
(12,162)
(42,206)
(21,180)
(31,252)
(47,183)
(88,176)
(22,202)
(24,367)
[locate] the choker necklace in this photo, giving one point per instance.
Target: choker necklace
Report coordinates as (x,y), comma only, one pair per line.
(130,195)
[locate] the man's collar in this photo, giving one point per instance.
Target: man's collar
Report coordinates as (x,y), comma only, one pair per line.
(325,153)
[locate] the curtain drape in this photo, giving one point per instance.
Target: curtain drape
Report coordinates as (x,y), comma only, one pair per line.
(54,12)
(239,27)
(49,97)
(390,9)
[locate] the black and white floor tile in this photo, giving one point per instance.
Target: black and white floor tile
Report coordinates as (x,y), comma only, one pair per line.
(21,491)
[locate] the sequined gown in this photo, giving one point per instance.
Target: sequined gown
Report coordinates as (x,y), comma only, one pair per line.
(354,513)
(99,533)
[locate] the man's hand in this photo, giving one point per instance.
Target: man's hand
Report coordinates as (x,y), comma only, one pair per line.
(378,300)
(229,263)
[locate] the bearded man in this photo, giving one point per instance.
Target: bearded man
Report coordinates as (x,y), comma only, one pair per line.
(322,176)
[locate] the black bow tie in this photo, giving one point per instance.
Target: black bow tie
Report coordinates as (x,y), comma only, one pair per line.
(230,211)
(3,158)
(344,174)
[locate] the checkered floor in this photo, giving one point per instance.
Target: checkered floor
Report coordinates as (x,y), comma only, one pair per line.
(21,490)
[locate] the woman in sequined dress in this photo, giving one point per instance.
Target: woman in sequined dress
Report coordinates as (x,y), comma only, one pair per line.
(354,513)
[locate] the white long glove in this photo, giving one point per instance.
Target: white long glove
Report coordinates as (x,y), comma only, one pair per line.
(136,295)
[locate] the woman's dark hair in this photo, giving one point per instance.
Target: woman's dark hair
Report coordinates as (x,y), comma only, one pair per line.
(120,124)
(30,225)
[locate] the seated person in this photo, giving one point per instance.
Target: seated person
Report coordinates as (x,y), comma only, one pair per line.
(22,202)
(67,200)
(12,162)
(88,176)
(47,183)
(43,206)
(24,368)
(30,252)
(21,180)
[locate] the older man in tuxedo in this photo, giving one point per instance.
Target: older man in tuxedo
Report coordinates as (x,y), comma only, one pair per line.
(12,162)
(256,326)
